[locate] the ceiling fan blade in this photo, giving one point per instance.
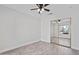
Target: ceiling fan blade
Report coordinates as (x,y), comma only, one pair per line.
(46,5)
(34,9)
(38,5)
(47,10)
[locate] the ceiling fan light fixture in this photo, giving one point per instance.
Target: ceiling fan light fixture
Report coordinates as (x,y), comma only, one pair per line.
(42,9)
(38,10)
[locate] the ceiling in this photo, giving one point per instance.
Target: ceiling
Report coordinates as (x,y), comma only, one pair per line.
(25,8)
(54,9)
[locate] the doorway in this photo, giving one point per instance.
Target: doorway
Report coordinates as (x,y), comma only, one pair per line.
(61,32)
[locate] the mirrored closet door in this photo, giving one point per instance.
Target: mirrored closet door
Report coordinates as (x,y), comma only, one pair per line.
(61,32)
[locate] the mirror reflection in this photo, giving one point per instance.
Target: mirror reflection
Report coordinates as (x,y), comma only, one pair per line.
(65,29)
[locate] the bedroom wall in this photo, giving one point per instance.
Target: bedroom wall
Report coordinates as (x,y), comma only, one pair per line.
(17,29)
(62,11)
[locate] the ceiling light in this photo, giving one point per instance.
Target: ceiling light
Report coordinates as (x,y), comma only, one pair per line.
(38,10)
(42,9)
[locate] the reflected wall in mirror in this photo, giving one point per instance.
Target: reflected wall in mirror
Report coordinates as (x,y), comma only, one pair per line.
(64,29)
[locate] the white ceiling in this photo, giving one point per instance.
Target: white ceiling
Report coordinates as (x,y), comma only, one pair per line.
(25,8)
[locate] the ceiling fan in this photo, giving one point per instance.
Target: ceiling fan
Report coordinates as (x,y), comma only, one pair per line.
(41,8)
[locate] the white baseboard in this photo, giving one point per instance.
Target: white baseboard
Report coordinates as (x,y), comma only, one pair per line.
(45,41)
(75,48)
(19,46)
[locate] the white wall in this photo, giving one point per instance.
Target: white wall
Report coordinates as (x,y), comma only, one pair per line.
(17,29)
(45,30)
(62,11)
